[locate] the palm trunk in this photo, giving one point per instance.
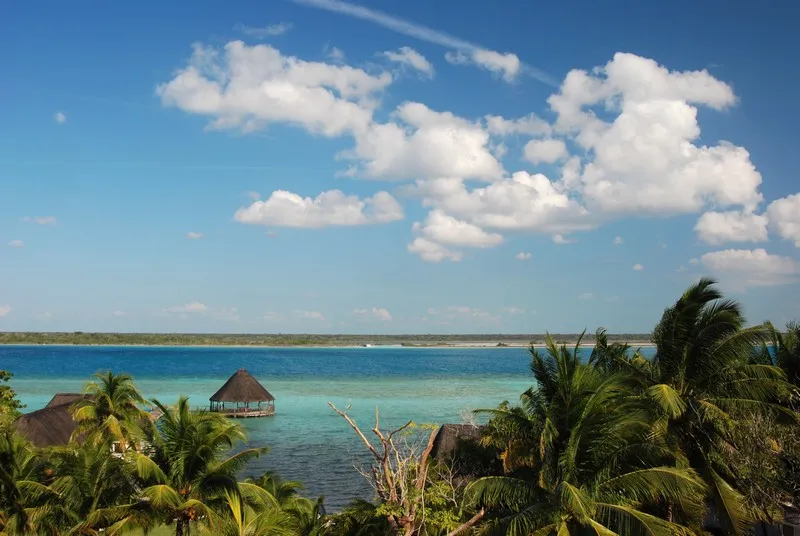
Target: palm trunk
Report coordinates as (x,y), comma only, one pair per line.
(179,528)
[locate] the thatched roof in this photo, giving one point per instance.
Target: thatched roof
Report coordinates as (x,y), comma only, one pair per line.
(242,387)
(449,435)
(66,398)
(51,425)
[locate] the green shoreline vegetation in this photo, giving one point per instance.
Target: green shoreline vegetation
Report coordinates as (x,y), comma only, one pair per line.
(700,439)
(223,339)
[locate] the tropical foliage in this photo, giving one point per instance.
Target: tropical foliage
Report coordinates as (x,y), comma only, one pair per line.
(700,438)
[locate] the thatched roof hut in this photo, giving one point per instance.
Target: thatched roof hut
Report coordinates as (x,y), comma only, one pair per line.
(51,425)
(243,396)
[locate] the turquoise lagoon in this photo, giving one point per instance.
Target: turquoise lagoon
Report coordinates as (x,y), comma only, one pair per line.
(307,440)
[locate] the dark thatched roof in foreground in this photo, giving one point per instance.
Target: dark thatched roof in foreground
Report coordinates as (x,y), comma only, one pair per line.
(449,435)
(51,425)
(242,387)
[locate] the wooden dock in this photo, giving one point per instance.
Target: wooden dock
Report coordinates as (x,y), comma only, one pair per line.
(243,413)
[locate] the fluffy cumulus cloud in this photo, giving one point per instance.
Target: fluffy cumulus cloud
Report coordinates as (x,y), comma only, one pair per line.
(191,235)
(443,229)
(60,118)
(247,87)
(625,141)
(379,313)
(4,310)
(743,268)
(638,267)
(646,159)
(523,256)
(432,251)
(721,227)
(546,151)
(784,217)
(424,143)
(409,57)
(331,208)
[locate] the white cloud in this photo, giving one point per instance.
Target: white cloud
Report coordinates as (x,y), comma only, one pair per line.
(522,202)
(720,227)
(17,244)
(310,315)
(247,87)
(191,307)
(545,151)
(514,310)
(523,256)
(377,312)
(412,58)
(506,64)
(694,261)
(784,217)
(531,125)
(561,240)
(194,236)
(638,267)
(265,31)
(618,240)
(118,313)
(329,208)
(645,161)
(444,229)
(743,268)
(503,64)
(424,143)
(271,316)
(4,310)
(41,220)
(586,296)
(60,118)
(433,252)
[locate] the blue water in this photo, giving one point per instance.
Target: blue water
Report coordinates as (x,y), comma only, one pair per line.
(307,440)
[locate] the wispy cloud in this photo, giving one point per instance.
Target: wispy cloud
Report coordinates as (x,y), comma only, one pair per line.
(506,64)
(60,118)
(263,31)
(378,312)
(4,310)
(41,220)
(191,235)
(17,244)
(523,256)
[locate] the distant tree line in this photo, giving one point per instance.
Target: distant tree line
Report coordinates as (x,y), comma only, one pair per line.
(224,339)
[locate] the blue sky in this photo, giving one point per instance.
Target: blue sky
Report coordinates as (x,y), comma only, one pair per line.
(436,167)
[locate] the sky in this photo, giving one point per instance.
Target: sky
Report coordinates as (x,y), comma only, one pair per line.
(319,166)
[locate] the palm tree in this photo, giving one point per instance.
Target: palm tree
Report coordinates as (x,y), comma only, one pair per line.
(284,491)
(185,471)
(112,411)
(85,479)
(699,381)
(20,489)
(359,518)
(237,518)
(590,469)
(782,350)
